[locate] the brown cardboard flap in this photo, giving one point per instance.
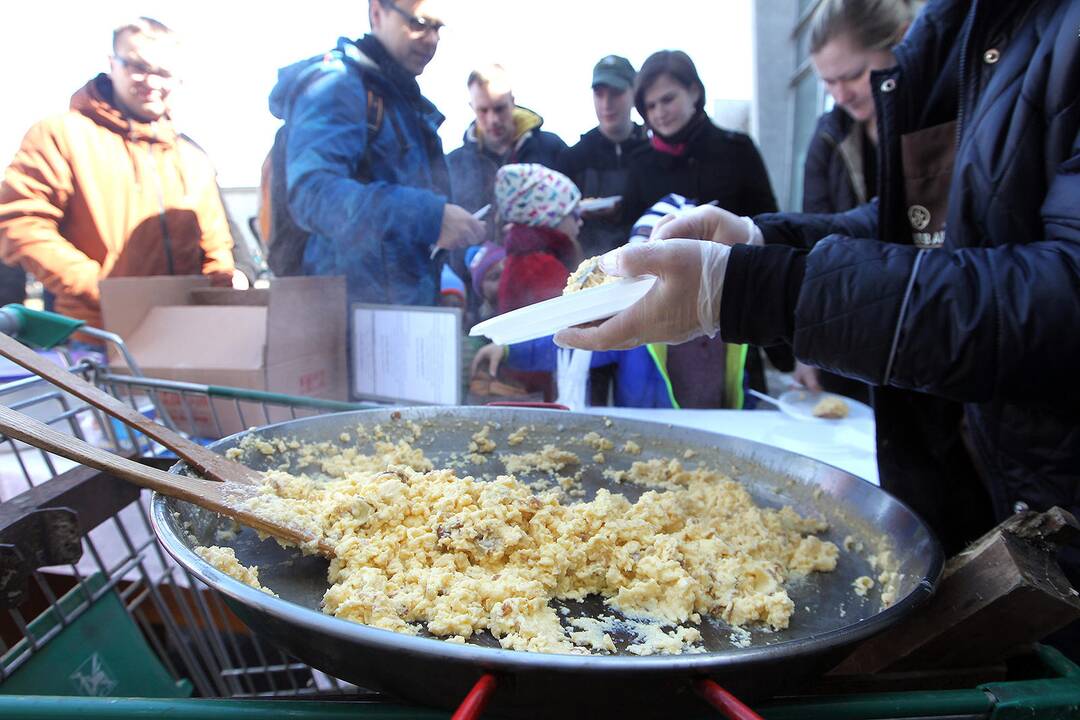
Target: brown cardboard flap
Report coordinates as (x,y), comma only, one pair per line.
(126,301)
(290,339)
(307,317)
(228,296)
(318,376)
(210,337)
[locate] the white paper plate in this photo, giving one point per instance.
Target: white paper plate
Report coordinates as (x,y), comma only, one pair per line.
(598,204)
(550,316)
(800,404)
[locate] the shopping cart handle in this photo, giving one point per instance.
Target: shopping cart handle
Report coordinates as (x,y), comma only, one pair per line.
(37,328)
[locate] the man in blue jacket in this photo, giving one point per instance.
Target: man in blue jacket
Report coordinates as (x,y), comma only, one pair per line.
(364,166)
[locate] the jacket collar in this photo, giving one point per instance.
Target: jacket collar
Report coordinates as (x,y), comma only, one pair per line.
(95,101)
(594,136)
(370,55)
(525,123)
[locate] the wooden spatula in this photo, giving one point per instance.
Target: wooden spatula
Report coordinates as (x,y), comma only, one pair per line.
(206,462)
(224,498)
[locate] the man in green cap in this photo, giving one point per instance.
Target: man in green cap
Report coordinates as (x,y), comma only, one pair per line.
(598,162)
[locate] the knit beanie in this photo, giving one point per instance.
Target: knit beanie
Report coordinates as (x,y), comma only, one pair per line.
(486,257)
(531,194)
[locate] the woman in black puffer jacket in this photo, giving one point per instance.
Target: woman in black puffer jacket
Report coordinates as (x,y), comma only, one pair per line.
(849,39)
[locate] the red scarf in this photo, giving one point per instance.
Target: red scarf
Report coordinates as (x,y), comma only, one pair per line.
(676,149)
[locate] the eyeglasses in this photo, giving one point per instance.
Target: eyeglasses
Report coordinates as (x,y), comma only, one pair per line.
(418,25)
(139,70)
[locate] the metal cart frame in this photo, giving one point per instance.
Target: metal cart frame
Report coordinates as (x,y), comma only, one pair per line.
(72,537)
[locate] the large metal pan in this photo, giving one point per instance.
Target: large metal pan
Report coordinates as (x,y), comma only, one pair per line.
(829,617)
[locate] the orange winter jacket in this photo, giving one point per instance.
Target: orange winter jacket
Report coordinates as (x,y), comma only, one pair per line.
(94,194)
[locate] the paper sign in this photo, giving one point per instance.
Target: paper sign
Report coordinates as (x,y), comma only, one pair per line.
(406,354)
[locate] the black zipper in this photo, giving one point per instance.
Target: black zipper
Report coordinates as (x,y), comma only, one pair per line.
(962,84)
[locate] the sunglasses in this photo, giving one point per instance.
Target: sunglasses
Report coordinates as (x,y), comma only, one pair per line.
(418,25)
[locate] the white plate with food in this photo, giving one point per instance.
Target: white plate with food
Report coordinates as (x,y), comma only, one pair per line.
(576,308)
(591,205)
(823,406)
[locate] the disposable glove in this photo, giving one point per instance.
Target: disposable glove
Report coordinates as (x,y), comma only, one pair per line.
(683,304)
(708,223)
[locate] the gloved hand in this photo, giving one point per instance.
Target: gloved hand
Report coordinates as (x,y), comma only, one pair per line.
(683,304)
(708,223)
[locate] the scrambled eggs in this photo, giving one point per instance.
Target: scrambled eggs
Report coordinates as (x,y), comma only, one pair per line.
(419,548)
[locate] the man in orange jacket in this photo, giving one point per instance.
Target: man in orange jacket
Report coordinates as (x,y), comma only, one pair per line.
(110,188)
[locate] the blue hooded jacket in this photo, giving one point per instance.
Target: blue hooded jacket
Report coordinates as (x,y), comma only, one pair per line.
(374,205)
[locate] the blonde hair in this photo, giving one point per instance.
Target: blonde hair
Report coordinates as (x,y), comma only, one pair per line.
(140,26)
(871,24)
(487,75)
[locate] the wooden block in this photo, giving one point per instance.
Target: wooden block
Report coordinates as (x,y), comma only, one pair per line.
(997,597)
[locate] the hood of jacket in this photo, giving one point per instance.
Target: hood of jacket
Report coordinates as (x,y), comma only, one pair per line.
(95,101)
(525,123)
(291,78)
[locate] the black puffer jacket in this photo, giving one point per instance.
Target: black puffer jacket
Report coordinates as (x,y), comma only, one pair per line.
(837,178)
(833,177)
(977,341)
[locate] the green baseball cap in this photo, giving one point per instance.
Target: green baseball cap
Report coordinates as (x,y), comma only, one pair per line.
(614,71)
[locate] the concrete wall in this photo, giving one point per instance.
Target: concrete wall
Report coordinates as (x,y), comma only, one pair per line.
(772,116)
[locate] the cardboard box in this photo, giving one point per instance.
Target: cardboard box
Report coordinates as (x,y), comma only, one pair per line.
(290,338)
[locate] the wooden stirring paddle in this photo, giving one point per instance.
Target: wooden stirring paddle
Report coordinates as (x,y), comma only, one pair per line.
(224,498)
(207,462)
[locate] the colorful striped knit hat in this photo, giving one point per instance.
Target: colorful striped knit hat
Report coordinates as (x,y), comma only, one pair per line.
(531,194)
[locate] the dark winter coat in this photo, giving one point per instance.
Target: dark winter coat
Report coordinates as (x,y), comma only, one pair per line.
(601,168)
(833,177)
(718,165)
(975,343)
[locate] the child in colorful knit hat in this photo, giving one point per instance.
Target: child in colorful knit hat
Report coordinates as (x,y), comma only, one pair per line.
(643,376)
(539,206)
